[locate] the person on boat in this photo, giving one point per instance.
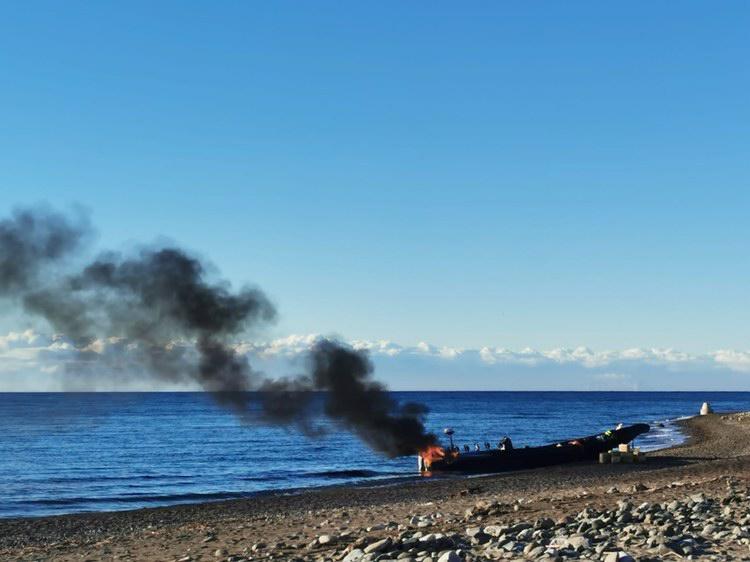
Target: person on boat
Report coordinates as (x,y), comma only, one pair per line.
(506,444)
(619,426)
(487,445)
(466,448)
(477,448)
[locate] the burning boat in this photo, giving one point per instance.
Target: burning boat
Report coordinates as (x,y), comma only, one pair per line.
(437,459)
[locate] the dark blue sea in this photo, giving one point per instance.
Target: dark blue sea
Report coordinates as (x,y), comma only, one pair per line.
(67,453)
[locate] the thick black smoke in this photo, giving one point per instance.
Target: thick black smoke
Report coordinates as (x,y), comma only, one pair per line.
(32,240)
(350,397)
(171,321)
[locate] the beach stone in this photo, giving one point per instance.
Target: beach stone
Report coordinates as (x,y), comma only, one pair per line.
(518,527)
(535,552)
(495,530)
(481,538)
(625,517)
(450,556)
(525,535)
(378,546)
(354,556)
(508,546)
(471,532)
(618,556)
(578,542)
(544,523)
(655,540)
(325,539)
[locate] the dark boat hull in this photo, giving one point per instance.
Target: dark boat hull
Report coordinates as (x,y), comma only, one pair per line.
(583,449)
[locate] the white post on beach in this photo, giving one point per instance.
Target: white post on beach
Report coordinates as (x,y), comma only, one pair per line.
(706,409)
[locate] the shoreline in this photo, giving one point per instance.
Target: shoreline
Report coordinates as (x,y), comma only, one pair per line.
(375,482)
(717,446)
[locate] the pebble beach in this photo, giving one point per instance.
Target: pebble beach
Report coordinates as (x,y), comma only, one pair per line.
(687,502)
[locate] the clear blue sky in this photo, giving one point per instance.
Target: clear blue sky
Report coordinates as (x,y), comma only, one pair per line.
(539,174)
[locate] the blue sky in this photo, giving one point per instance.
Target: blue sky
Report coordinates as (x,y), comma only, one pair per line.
(535,175)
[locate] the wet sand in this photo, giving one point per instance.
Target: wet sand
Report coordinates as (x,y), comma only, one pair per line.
(287,527)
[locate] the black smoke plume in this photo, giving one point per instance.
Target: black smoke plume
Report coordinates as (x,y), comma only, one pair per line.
(351,398)
(167,319)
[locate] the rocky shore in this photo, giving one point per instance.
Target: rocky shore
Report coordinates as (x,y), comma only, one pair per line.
(688,502)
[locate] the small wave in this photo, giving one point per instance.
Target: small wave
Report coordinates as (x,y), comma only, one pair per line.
(347,474)
(664,433)
(143,498)
(265,477)
(103,478)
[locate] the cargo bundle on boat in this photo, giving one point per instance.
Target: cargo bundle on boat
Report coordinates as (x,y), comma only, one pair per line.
(450,458)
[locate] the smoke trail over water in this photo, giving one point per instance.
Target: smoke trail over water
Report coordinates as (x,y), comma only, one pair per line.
(176,324)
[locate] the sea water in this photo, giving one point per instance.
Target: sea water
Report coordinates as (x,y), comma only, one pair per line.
(68,453)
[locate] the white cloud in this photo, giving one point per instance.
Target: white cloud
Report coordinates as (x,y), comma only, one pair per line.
(19,339)
(735,360)
(33,356)
(613,376)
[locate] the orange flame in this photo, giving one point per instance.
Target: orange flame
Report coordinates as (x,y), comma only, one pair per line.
(430,454)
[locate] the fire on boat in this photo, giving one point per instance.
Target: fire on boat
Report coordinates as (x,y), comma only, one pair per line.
(437,459)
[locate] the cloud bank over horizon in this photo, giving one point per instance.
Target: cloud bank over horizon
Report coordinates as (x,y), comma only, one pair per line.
(32,361)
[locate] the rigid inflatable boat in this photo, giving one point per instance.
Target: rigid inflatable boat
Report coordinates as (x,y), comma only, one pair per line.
(437,459)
